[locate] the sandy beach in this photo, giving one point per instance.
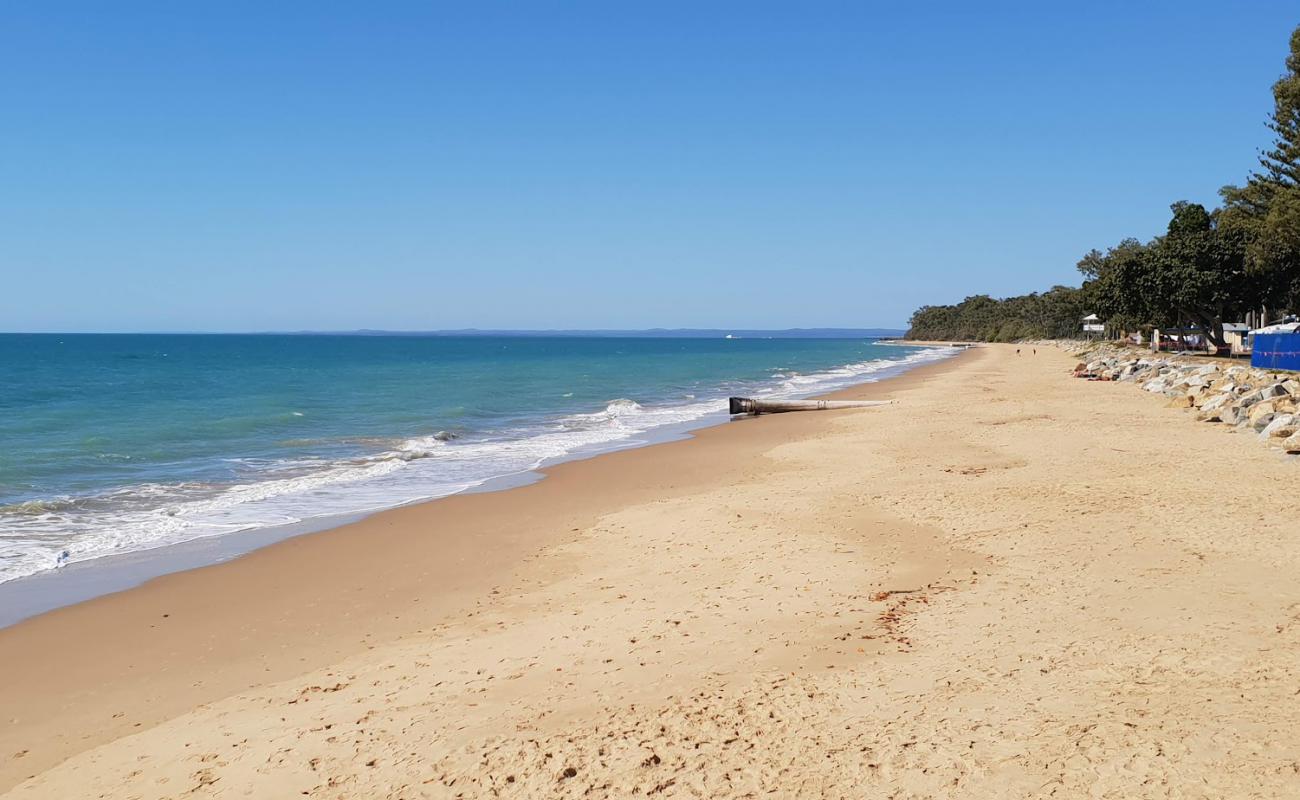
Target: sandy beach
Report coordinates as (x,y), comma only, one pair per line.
(1008,584)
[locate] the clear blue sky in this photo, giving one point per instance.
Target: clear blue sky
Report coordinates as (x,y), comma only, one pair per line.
(259,166)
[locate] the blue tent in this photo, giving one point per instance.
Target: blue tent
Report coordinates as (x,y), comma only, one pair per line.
(1277,347)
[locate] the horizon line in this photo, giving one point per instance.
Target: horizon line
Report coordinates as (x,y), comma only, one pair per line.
(875,330)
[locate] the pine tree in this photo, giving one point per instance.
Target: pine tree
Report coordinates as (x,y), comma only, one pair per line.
(1282,163)
(1265,212)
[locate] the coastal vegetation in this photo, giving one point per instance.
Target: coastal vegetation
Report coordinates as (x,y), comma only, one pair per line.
(1053,314)
(1210,266)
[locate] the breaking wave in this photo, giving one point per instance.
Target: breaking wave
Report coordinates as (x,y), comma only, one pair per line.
(395,472)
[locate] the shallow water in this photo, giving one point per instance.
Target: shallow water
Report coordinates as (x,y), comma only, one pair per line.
(119,443)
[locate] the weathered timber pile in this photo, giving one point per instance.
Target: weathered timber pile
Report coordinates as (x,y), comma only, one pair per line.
(1241,397)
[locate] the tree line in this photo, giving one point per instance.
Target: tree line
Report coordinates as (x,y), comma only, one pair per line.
(1210,266)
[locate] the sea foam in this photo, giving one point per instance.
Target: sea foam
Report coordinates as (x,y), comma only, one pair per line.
(286,491)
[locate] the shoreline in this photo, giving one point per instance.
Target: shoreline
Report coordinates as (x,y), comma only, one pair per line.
(114,632)
(1008,584)
(113,571)
(29,596)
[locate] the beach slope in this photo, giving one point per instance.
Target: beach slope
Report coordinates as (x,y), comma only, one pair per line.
(1008,584)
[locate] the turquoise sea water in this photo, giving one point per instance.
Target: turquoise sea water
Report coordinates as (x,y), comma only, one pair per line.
(114,443)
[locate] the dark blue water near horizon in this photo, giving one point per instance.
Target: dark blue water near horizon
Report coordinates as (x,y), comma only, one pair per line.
(111,443)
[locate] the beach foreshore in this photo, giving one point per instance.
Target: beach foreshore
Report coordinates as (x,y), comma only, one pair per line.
(1009,583)
(173,519)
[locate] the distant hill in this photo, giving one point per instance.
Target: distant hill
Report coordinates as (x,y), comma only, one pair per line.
(663,333)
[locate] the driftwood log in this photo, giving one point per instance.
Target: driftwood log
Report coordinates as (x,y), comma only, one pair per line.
(744,405)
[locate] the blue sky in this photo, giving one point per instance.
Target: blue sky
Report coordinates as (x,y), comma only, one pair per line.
(279,166)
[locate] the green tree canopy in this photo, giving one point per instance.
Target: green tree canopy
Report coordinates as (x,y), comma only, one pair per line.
(1208,267)
(1265,212)
(1282,162)
(1054,314)
(1194,273)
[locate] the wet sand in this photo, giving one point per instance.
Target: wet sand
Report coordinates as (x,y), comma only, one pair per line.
(1010,583)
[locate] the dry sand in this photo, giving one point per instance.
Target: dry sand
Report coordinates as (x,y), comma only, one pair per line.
(1010,584)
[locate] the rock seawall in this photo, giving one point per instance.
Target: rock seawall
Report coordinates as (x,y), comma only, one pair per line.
(1239,396)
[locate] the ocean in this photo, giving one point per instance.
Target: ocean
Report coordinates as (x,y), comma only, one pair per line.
(112,444)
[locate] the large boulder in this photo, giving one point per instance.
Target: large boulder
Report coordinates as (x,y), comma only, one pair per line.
(1215,401)
(1261,414)
(1291,444)
(1282,426)
(1181,401)
(1260,395)
(1231,415)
